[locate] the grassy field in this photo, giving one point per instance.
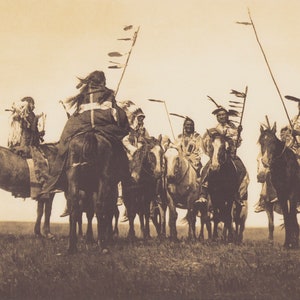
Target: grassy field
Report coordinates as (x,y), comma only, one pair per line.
(33,268)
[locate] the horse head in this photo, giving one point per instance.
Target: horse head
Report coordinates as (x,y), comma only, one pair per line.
(148,160)
(268,144)
(217,148)
(173,164)
(262,170)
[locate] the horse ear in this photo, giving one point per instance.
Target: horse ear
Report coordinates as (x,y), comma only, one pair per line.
(261,128)
(159,138)
(208,133)
(274,128)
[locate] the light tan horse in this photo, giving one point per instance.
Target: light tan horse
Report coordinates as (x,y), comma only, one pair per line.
(182,189)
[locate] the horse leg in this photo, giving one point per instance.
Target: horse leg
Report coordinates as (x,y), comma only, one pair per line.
(294,225)
(79,224)
(142,224)
(216,221)
(163,210)
(155,218)
(208,227)
(90,214)
(48,209)
(147,217)
(270,215)
(192,224)
(73,199)
(39,215)
(286,219)
(172,219)
(201,234)
(116,215)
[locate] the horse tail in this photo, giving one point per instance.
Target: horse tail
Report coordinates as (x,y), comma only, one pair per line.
(89,149)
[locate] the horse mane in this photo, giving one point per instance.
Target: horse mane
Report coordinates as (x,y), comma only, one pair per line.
(138,158)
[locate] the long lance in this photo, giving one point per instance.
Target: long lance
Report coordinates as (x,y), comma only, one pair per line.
(164,102)
(268,65)
(127,60)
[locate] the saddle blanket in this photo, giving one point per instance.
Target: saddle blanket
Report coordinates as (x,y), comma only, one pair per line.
(35,186)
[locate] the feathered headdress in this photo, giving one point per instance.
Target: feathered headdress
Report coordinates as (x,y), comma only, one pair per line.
(132,111)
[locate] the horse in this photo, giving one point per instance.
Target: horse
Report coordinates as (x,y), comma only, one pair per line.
(91,166)
(182,190)
(268,195)
(145,168)
(285,177)
(239,216)
(222,180)
(15,178)
(203,210)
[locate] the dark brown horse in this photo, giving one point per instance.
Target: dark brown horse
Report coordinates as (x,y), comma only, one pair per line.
(92,167)
(145,168)
(15,178)
(222,181)
(268,195)
(285,177)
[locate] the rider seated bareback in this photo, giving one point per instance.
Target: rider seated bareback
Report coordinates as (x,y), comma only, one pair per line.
(190,144)
(24,127)
(24,140)
(228,128)
(138,135)
(95,108)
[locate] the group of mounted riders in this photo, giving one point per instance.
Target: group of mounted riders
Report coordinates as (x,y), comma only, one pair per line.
(95,107)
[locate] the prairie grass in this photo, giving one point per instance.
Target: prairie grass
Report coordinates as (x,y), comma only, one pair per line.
(35,268)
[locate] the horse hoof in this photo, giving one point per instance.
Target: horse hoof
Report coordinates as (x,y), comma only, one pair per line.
(50,236)
(105,251)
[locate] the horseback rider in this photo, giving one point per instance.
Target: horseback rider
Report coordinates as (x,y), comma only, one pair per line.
(291,136)
(295,132)
(24,140)
(24,127)
(229,129)
(95,108)
(190,144)
(137,136)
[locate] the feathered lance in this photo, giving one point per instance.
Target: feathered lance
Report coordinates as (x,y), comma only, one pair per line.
(164,102)
(244,96)
(117,54)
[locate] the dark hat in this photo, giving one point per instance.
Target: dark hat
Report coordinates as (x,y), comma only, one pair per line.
(292,98)
(96,78)
(28,100)
(230,112)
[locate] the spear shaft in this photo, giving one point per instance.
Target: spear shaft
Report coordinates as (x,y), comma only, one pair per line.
(269,68)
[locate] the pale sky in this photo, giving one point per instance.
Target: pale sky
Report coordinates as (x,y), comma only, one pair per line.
(185,50)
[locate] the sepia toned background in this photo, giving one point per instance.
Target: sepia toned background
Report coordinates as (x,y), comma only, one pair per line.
(185,50)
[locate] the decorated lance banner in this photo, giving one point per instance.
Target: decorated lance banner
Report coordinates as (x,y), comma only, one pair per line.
(117,54)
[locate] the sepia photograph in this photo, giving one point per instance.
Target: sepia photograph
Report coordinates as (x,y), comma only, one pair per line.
(149,149)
